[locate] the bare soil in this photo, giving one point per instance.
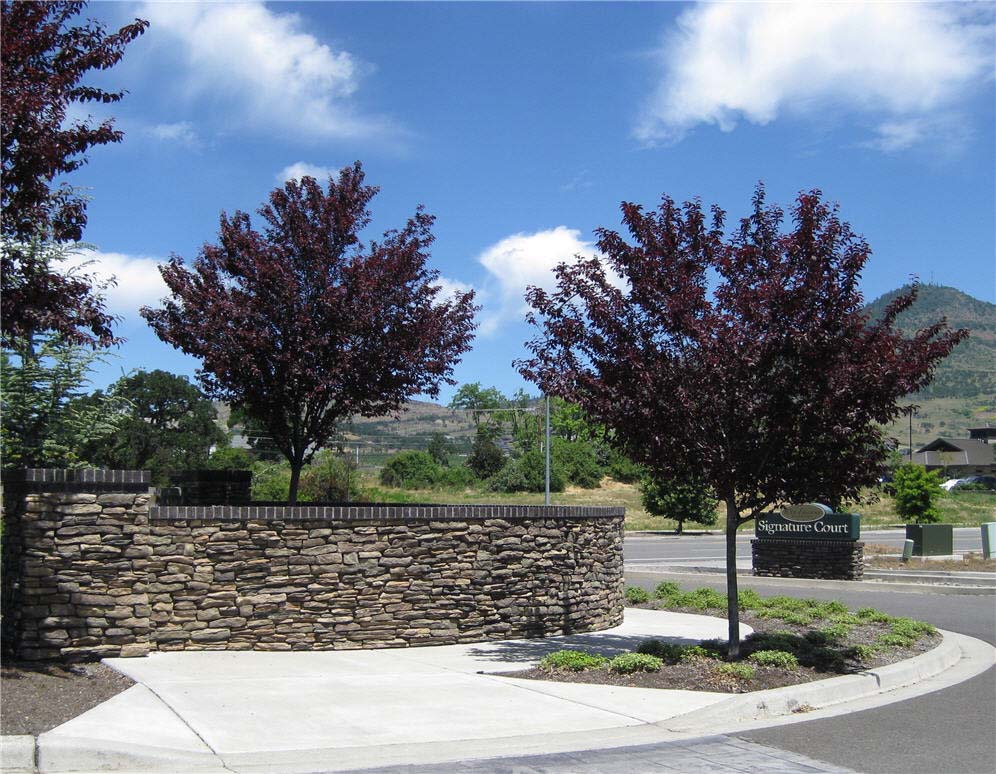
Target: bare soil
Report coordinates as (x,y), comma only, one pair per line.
(37,697)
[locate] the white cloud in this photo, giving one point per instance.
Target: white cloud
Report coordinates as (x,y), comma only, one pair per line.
(522,260)
(261,68)
(181,132)
(300,169)
(894,62)
(138,280)
(447,287)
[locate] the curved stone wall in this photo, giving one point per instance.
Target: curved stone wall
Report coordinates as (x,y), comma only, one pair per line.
(106,574)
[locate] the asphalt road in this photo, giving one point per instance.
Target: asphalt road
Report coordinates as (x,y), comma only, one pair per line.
(951,731)
(703,550)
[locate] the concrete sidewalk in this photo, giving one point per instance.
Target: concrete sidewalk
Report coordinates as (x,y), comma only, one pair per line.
(347,710)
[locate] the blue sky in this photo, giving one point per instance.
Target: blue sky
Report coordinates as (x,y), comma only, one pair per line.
(521,127)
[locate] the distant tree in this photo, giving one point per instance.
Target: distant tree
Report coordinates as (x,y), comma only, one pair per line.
(482,403)
(229,458)
(44,61)
(439,449)
(486,457)
(770,388)
(48,420)
(678,501)
(917,491)
(303,326)
(170,425)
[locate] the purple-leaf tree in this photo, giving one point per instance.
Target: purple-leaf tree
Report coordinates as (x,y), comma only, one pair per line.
(45,60)
(745,362)
(303,325)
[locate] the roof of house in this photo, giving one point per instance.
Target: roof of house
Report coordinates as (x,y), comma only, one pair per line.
(955,451)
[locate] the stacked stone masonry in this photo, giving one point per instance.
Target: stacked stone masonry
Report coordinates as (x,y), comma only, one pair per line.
(824,559)
(91,575)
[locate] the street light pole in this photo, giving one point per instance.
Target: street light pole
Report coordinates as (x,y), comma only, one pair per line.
(546,499)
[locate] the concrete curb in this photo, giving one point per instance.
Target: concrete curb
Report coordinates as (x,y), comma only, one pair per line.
(825,693)
(789,704)
(17,753)
(893,584)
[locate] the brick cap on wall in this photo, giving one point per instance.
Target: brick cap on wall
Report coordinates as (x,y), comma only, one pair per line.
(378,512)
(76,479)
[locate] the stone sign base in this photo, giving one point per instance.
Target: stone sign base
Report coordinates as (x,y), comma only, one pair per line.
(805,558)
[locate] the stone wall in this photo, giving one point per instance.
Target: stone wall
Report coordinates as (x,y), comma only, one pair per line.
(90,574)
(792,558)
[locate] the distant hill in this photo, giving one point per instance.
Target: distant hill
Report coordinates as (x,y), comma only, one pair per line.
(970,370)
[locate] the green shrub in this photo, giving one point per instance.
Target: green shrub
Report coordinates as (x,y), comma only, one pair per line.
(688,652)
(527,473)
(871,615)
(864,652)
(572,660)
(798,619)
(909,626)
(410,470)
(701,599)
(916,493)
(775,658)
(628,663)
(739,671)
(895,640)
(635,595)
(670,652)
(828,609)
(835,633)
(328,479)
(459,477)
(667,590)
(577,463)
(748,599)
(271,481)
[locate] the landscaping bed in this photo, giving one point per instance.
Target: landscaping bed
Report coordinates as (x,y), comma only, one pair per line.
(794,641)
(38,697)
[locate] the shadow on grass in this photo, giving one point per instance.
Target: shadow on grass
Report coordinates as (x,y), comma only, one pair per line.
(608,645)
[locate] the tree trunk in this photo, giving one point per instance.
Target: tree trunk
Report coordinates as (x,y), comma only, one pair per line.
(295,479)
(732,601)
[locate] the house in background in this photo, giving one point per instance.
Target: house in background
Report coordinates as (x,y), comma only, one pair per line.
(960,457)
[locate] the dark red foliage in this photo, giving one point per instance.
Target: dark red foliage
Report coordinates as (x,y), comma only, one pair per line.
(44,61)
(771,385)
(746,362)
(304,325)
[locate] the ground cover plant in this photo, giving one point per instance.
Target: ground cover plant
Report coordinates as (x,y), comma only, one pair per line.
(794,641)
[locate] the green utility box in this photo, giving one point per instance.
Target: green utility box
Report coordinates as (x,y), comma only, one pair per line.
(931,539)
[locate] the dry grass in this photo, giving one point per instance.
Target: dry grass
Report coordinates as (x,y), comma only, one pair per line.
(970,562)
(960,508)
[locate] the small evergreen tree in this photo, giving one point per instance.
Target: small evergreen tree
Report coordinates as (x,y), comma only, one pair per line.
(486,458)
(439,449)
(916,492)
